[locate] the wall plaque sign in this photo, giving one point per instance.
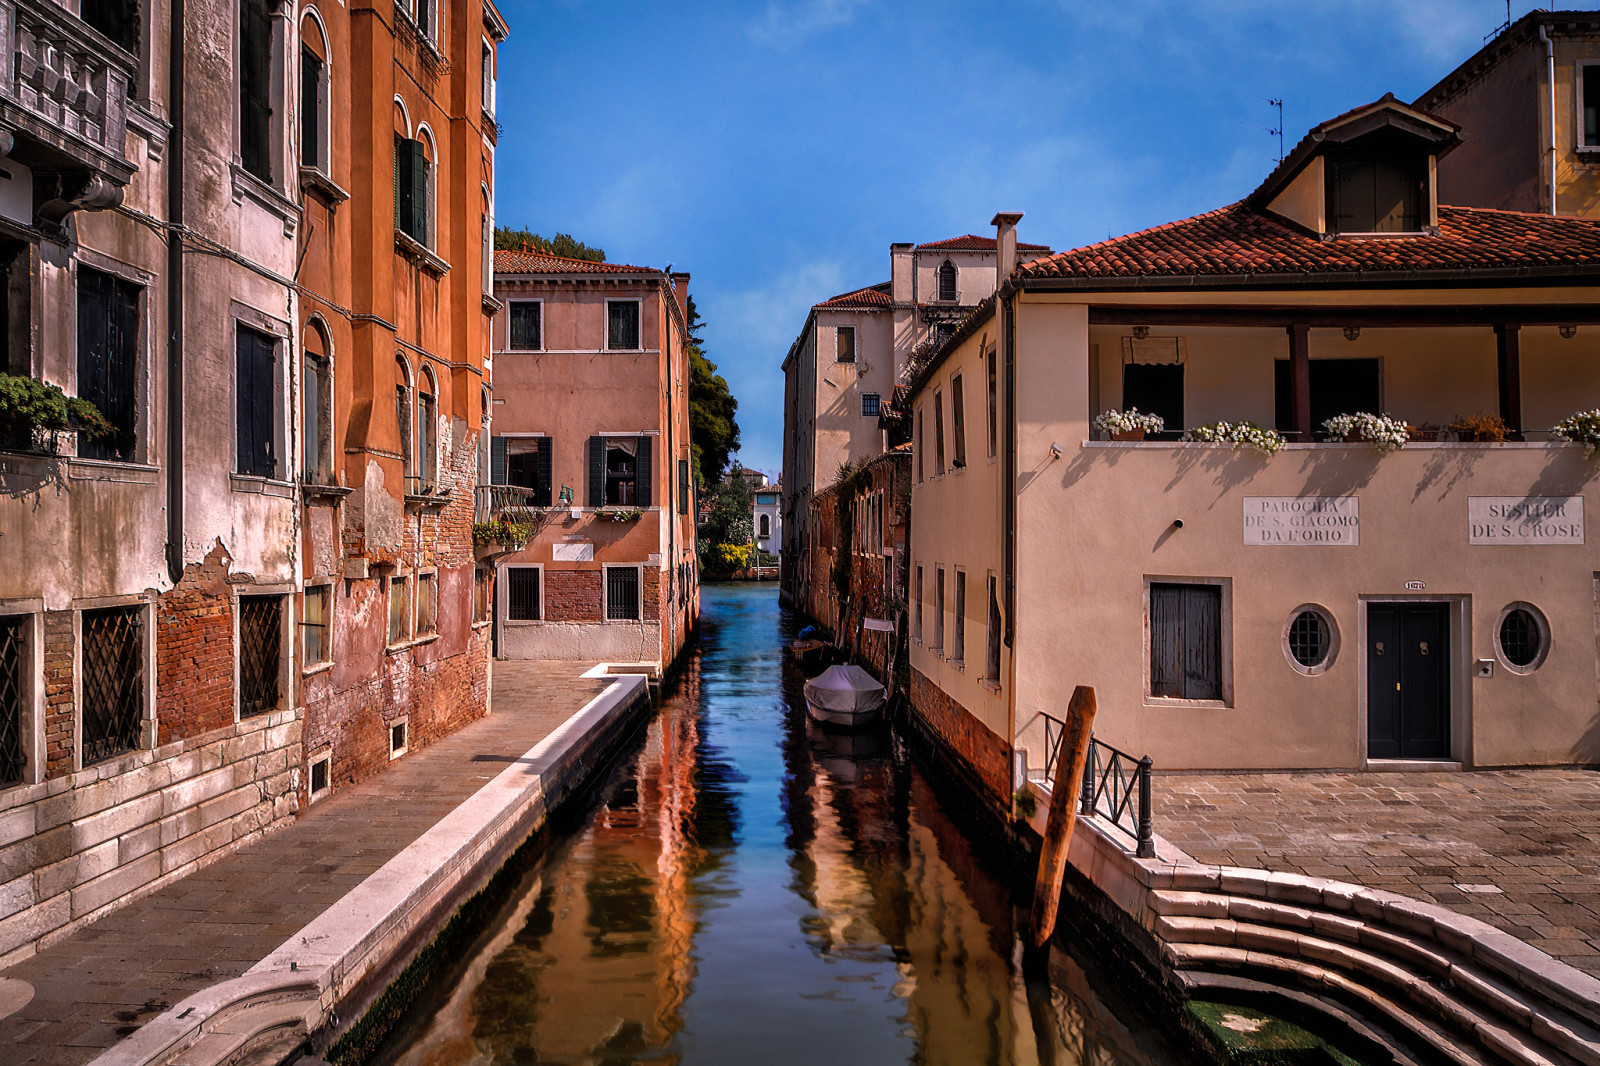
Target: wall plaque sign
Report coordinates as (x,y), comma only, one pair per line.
(581,551)
(1525,520)
(1302,520)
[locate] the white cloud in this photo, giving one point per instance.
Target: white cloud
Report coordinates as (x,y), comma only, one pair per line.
(784,25)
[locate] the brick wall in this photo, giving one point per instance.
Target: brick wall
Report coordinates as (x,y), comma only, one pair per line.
(977,746)
(194,651)
(573,595)
(59,714)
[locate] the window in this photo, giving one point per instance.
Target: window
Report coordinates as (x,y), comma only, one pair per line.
(117,21)
(1523,636)
(427,603)
(991,666)
(917,628)
(620,471)
(14,660)
(411,176)
(1156,389)
(1589,87)
(316,407)
(1186,641)
(947,281)
(482,594)
(311,116)
(399,610)
(316,643)
(488,78)
(958,420)
(522,592)
(113,681)
(994,405)
(958,651)
(917,447)
(398,737)
(260,654)
(938,608)
(869,405)
(844,338)
(427,429)
(524,325)
(684,486)
(766,527)
(938,434)
(1338,387)
(622,593)
(255,87)
(256,396)
(1309,640)
(525,462)
(404,423)
(321,775)
(1375,195)
(108,346)
(425,17)
(622,325)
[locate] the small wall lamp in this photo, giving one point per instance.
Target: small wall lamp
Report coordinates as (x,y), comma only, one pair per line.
(1569,332)
(1352,332)
(566,495)
(1141,333)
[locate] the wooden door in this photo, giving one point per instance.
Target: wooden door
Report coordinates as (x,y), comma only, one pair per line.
(1408,681)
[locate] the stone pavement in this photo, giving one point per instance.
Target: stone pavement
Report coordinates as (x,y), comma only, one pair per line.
(1515,848)
(103,982)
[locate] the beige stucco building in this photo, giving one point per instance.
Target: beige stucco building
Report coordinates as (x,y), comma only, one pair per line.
(1325,606)
(590,444)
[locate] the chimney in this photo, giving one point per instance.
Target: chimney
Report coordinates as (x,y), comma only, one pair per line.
(900,277)
(680,289)
(1005,244)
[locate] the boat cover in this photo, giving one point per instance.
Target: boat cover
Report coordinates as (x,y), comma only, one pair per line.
(845,689)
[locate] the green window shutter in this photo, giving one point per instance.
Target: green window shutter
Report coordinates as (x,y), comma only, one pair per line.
(497,460)
(597,471)
(683,486)
(647,470)
(419,193)
(543,483)
(402,184)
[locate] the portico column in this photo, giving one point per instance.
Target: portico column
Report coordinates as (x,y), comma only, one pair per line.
(1300,379)
(1510,361)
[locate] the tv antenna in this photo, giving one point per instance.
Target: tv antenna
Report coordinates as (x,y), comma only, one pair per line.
(1278,103)
(1504,26)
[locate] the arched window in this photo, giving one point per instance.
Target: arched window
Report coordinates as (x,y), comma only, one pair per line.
(430,185)
(427,428)
(766,526)
(316,404)
(413,178)
(404,420)
(487,238)
(947,280)
(315,114)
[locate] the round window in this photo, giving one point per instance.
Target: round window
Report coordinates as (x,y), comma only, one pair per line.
(1310,639)
(1523,637)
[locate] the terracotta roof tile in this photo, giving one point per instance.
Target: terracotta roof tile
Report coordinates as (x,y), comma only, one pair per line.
(971,242)
(516,262)
(873,296)
(1237,240)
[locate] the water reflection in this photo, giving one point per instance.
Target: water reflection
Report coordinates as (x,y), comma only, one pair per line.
(751,886)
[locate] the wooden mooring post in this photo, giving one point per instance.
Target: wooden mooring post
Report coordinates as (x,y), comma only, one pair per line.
(1070,757)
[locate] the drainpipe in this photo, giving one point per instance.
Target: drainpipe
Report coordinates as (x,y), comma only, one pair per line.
(175,168)
(1550,78)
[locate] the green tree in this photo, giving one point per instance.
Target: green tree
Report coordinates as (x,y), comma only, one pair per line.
(563,244)
(713,427)
(728,520)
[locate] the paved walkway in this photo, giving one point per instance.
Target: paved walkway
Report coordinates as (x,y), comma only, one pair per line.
(103,982)
(1515,848)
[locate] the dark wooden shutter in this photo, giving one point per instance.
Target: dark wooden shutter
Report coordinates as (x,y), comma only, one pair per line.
(597,471)
(683,486)
(1186,641)
(1166,640)
(255,88)
(410,189)
(419,193)
(646,472)
(108,350)
(543,483)
(310,108)
(256,408)
(497,460)
(402,184)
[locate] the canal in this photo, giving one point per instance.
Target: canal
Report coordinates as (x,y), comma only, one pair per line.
(743,886)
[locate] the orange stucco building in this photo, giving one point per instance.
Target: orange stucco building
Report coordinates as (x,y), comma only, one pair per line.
(396,137)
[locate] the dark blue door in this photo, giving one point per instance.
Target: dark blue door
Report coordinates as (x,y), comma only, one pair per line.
(1408,681)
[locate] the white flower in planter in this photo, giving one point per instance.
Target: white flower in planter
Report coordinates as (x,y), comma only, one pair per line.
(1238,434)
(1582,428)
(1129,421)
(1384,432)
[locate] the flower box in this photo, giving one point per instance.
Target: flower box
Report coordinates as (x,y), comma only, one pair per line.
(1131,434)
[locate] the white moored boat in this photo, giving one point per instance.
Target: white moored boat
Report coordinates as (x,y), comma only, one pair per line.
(845,696)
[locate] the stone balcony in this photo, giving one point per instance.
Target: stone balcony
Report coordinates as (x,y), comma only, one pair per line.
(64,91)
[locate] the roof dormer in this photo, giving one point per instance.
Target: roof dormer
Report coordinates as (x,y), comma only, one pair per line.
(1368,172)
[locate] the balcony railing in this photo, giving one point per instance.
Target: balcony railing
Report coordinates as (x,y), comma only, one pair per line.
(1116,786)
(498,501)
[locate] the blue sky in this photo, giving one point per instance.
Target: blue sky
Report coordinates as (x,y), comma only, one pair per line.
(775,149)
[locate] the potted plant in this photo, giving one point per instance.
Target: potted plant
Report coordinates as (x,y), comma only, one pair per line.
(511,530)
(1480,428)
(34,413)
(1131,424)
(1426,431)
(1238,434)
(1384,432)
(624,514)
(1582,428)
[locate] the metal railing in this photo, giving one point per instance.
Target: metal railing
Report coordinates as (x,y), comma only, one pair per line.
(493,501)
(1116,786)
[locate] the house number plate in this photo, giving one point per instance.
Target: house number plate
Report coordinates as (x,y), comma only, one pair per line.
(1416,586)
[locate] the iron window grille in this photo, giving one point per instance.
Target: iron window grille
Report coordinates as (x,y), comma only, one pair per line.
(399,610)
(522,585)
(1520,639)
(314,643)
(319,774)
(869,404)
(260,654)
(13,659)
(113,681)
(1309,639)
(622,593)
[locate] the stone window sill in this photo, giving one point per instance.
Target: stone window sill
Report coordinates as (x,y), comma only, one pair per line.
(246,184)
(486,623)
(317,668)
(264,486)
(959,665)
(991,684)
(105,470)
(419,253)
(322,187)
